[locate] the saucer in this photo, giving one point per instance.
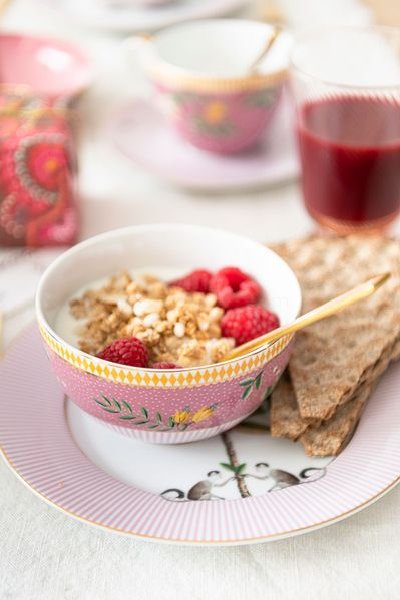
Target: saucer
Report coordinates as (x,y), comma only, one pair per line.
(142,134)
(122,17)
(239,487)
(48,66)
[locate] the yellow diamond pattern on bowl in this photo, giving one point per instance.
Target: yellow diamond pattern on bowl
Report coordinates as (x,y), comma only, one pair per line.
(143,378)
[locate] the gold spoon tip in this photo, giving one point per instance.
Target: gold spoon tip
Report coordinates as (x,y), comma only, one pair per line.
(381,279)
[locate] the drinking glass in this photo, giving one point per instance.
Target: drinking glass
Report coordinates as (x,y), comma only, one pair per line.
(346,83)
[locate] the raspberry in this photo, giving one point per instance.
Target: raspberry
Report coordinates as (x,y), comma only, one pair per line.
(248,293)
(246,323)
(228,275)
(126,351)
(234,288)
(196,281)
(164,365)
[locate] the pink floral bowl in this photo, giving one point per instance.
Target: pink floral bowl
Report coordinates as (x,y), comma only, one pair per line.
(178,405)
(206,87)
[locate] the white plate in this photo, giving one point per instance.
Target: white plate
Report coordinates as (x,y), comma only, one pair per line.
(97,14)
(218,491)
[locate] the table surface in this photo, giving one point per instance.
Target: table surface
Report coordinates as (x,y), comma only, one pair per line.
(45,555)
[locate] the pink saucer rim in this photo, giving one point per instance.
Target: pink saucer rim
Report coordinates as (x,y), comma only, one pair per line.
(289,172)
(71,48)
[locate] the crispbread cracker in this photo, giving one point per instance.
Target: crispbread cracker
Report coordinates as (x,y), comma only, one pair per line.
(326,439)
(329,437)
(285,419)
(330,358)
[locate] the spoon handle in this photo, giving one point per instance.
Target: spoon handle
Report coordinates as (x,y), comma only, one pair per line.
(317,314)
(271,40)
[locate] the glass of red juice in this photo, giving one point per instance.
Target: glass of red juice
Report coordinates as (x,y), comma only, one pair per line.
(346,83)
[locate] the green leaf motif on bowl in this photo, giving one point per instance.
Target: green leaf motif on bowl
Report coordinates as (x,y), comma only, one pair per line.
(251,383)
(179,421)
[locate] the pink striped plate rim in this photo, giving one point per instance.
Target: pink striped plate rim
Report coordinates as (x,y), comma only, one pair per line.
(241,486)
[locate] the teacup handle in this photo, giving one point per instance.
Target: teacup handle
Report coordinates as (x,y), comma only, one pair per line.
(139,44)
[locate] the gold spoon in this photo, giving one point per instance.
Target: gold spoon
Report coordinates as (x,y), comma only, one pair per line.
(317,314)
(270,42)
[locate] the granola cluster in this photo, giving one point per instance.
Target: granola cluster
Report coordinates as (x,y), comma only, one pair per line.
(177,326)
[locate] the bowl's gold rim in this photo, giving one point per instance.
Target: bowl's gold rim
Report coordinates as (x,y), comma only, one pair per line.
(140,377)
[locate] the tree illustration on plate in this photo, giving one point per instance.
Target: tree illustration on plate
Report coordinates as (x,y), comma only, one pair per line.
(235,466)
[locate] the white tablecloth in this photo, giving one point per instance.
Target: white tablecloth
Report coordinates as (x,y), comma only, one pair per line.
(45,555)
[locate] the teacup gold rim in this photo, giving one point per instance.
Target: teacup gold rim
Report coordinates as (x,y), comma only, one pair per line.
(159,68)
(179,79)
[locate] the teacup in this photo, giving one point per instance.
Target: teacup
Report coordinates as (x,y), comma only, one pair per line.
(206,86)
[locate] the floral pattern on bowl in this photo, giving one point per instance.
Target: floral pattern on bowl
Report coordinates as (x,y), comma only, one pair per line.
(165,414)
(181,419)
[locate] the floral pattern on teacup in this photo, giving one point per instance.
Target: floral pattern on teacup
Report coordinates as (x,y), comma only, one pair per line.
(221,122)
(262,98)
(214,119)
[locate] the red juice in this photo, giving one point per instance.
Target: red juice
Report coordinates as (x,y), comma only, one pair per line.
(350,153)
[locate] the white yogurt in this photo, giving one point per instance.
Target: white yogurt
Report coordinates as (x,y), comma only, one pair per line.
(67,327)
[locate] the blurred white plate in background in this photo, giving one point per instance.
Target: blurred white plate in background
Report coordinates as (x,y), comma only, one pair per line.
(130,18)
